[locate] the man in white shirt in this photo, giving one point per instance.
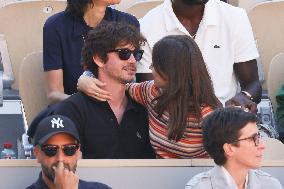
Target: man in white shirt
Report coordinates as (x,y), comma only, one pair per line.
(231,138)
(225,38)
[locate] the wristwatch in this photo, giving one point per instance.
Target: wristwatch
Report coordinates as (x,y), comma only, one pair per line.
(248,95)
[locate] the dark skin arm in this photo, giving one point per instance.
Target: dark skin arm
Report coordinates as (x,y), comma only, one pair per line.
(247,75)
(140,77)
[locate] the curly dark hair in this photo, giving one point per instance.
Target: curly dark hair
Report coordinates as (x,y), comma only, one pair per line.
(105,37)
(223,126)
(78,7)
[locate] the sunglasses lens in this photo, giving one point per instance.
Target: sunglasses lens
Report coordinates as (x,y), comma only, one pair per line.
(49,150)
(138,55)
(124,54)
(70,150)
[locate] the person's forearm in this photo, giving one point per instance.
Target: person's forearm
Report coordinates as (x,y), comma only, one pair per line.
(254,89)
(56,96)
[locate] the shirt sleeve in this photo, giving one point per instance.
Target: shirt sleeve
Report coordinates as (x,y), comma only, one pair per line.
(140,92)
(52,53)
(243,39)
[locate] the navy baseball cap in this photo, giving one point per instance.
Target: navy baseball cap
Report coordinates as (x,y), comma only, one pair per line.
(52,125)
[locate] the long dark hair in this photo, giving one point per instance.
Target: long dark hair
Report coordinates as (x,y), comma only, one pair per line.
(189,86)
(77,8)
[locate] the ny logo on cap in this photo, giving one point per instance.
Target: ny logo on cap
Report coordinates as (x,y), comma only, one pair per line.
(57,122)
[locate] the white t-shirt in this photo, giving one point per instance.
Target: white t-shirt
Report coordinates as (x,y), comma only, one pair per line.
(224,37)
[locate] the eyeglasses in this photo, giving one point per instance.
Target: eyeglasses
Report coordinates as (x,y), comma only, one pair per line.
(255,138)
(51,150)
(124,54)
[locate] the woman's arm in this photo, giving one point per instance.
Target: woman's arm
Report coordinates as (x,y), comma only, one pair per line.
(91,86)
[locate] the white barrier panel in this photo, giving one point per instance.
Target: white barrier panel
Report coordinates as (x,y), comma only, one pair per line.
(124,174)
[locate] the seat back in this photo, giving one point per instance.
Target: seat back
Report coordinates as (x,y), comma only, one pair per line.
(275,77)
(21,23)
(274,149)
(125,4)
(139,9)
(268,30)
(32,85)
(249,4)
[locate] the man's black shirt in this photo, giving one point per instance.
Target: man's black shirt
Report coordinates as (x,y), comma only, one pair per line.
(100,134)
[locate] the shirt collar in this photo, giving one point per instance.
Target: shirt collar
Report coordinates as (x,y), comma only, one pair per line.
(231,181)
(210,16)
(80,27)
(130,102)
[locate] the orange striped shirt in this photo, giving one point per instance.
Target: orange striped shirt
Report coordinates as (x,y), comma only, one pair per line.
(189,146)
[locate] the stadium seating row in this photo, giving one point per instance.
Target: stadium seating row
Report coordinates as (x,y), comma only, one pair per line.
(23,36)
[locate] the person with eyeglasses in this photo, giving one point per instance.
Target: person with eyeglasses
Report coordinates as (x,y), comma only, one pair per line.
(177,100)
(232,139)
(57,149)
(117,129)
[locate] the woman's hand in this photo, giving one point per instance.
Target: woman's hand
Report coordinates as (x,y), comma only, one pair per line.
(93,88)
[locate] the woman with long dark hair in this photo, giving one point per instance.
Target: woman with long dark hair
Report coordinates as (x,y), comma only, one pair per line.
(177,100)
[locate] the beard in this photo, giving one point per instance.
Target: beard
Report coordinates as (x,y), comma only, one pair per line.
(195,2)
(49,172)
(122,76)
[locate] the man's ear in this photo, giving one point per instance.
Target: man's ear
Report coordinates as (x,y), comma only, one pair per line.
(79,154)
(36,153)
(97,60)
(228,150)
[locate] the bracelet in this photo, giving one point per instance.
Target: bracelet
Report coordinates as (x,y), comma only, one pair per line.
(248,95)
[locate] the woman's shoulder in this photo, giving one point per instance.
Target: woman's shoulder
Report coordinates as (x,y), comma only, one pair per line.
(206,109)
(116,15)
(58,19)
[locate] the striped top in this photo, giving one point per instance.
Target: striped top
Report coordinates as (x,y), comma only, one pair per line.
(189,146)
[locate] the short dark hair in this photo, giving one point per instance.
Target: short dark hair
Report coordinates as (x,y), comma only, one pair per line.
(189,86)
(105,37)
(223,126)
(77,8)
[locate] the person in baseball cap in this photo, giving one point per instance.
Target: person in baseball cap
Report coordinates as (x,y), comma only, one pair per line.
(57,149)
(52,125)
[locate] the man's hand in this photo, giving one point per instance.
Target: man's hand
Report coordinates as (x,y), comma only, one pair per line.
(243,101)
(93,88)
(64,178)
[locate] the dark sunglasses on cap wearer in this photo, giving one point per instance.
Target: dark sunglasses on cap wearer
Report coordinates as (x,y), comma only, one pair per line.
(255,138)
(51,150)
(124,54)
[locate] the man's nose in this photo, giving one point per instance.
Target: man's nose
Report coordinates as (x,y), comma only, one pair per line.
(132,58)
(60,156)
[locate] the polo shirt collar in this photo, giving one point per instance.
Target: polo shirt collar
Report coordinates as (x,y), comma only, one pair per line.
(129,107)
(210,16)
(80,27)
(130,103)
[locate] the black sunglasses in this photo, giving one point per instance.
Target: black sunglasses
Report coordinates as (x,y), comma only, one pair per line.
(51,150)
(124,54)
(255,138)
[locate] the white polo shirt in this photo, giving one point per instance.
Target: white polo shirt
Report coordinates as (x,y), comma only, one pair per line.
(224,37)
